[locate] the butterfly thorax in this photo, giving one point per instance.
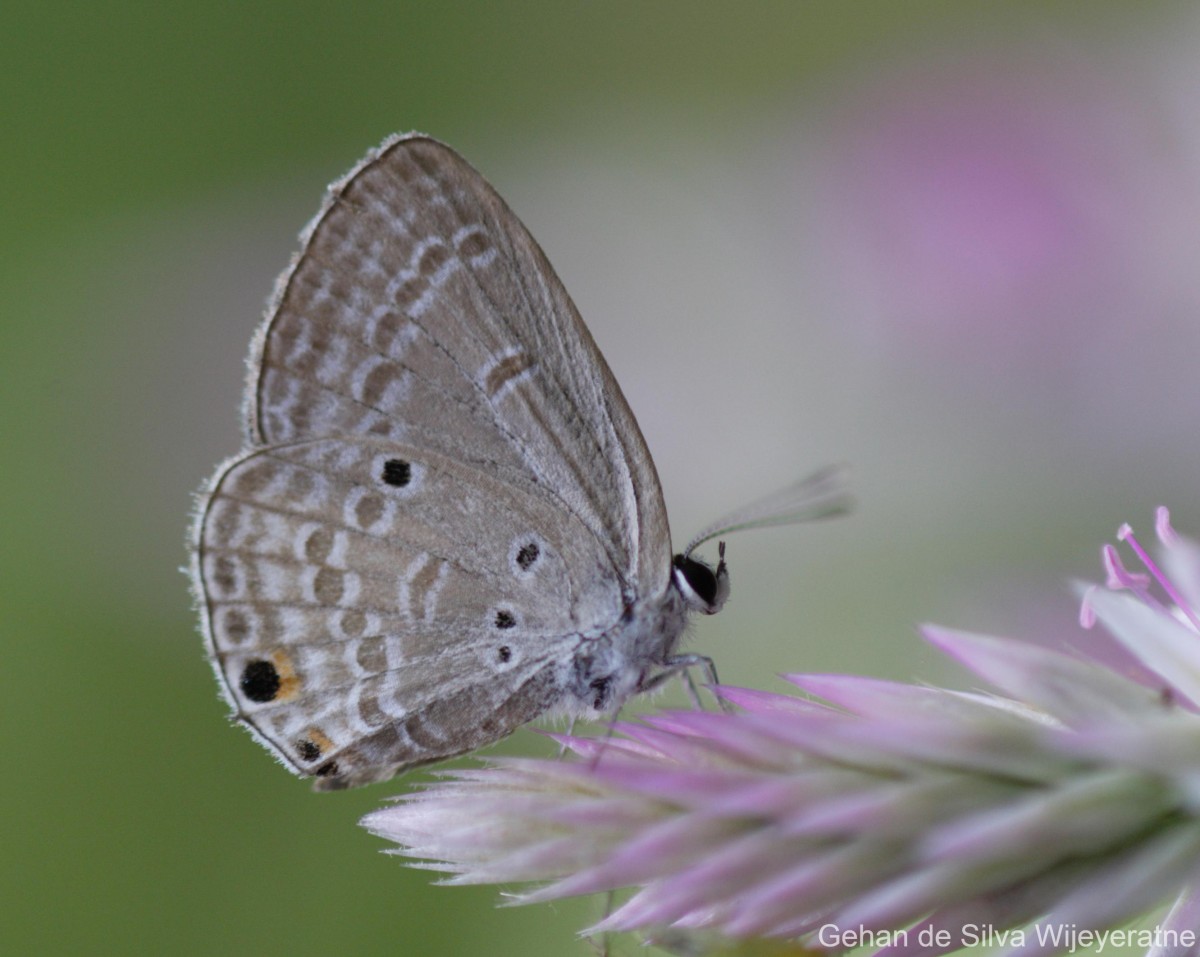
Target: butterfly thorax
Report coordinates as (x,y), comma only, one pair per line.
(639,650)
(608,669)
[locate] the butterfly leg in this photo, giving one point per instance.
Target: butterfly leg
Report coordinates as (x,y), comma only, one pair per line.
(609,731)
(563,748)
(682,665)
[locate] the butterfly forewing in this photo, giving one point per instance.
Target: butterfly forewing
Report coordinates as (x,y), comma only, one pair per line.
(421,309)
(445,491)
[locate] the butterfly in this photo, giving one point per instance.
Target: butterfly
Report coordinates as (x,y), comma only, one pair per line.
(445,521)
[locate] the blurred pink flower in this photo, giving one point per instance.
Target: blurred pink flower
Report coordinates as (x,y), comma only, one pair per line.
(1011,218)
(912,820)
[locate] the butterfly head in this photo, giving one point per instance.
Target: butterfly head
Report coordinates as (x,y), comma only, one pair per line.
(703,588)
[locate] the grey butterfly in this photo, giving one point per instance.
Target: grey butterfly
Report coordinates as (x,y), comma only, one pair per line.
(445,522)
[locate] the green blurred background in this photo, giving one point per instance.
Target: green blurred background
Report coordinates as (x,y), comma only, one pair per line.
(954,245)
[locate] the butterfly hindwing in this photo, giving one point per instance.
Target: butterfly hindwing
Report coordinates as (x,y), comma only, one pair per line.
(351,584)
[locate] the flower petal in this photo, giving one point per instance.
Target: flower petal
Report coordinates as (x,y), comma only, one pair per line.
(1168,647)
(1075,691)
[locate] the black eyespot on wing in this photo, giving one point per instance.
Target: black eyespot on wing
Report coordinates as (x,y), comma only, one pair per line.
(309,750)
(327,770)
(505,653)
(397,472)
(260,681)
(527,555)
(699,576)
(505,619)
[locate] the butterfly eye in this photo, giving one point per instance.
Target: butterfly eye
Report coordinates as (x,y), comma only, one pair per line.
(702,588)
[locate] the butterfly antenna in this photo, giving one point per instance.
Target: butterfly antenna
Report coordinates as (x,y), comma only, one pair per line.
(823,494)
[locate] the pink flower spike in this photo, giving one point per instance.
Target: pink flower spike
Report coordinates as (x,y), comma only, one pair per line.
(584,747)
(860,695)
(1076,692)
(767,702)
(1069,797)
